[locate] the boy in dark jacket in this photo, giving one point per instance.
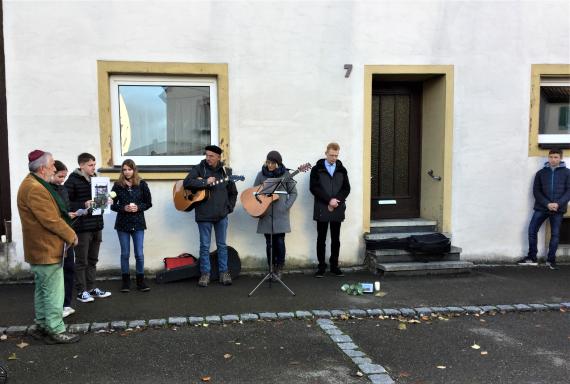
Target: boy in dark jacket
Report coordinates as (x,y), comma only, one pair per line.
(212,212)
(551,191)
(330,186)
(88,229)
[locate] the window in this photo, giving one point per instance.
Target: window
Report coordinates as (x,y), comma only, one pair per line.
(161,114)
(554,125)
(163,120)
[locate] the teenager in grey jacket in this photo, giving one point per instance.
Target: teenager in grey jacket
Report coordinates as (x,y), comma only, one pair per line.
(275,223)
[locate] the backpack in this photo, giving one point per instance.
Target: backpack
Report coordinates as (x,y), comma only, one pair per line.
(433,243)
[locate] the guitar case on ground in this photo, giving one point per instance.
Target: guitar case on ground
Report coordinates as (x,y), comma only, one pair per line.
(189,267)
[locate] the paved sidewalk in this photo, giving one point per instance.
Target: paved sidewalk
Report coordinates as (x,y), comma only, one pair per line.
(484,286)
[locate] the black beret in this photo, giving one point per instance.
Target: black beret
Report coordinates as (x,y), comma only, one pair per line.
(214,148)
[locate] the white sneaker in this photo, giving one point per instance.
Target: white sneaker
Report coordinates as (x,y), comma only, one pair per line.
(68,311)
(85,297)
(99,293)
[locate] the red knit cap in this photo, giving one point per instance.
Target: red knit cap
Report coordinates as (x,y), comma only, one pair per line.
(35,154)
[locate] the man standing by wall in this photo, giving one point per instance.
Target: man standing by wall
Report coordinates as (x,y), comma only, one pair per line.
(88,228)
(551,190)
(330,186)
(46,234)
(213,212)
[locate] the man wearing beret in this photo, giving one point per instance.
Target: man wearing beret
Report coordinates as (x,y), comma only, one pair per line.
(212,212)
(46,234)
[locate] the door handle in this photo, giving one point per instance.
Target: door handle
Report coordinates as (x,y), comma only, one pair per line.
(430,174)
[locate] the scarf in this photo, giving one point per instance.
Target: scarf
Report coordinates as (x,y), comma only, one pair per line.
(278,172)
(61,205)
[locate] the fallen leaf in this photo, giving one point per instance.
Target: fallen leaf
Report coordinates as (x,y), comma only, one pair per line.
(359,374)
(441,367)
(3,337)
(562,310)
(12,356)
(206,325)
(484,353)
(483,320)
(425,318)
(380,294)
(75,356)
(205,378)
(344,317)
(402,326)
(404,374)
(475,346)
(281,347)
(22,345)
(238,343)
(227,356)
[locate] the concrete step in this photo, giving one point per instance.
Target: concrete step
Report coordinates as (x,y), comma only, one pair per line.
(403,225)
(400,255)
(419,268)
(368,237)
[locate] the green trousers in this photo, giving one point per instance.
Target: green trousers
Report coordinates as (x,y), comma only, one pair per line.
(48,297)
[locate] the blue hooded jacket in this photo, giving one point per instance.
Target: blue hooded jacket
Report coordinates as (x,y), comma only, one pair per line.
(552,186)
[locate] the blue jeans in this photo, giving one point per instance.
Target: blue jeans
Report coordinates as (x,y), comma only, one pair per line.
(125,241)
(535,223)
(220,228)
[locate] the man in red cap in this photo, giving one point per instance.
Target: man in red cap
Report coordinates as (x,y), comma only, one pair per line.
(47,234)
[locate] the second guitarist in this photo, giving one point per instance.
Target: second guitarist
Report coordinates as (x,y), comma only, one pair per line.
(213,212)
(276,228)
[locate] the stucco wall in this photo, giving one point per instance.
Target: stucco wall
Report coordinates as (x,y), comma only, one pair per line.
(288,92)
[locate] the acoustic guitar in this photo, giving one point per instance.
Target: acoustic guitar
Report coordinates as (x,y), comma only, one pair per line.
(186,199)
(257,205)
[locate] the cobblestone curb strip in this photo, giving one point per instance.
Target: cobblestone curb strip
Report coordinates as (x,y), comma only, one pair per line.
(375,372)
(320,315)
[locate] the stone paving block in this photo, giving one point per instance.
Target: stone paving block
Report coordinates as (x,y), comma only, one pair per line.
(137,324)
(333,331)
(327,326)
(79,328)
(214,319)
(341,338)
(325,322)
(368,368)
(338,313)
(423,311)
(353,353)
(382,378)
(321,314)
(471,309)
(357,313)
(456,310)
(230,318)
(268,316)
(193,320)
(391,312)
(565,305)
(374,312)
(539,307)
(16,330)
(345,346)
(157,323)
(177,320)
(303,315)
(522,308)
(408,312)
(119,325)
(506,308)
(249,317)
(361,360)
(552,307)
(96,327)
(2,330)
(285,315)
(489,308)
(440,310)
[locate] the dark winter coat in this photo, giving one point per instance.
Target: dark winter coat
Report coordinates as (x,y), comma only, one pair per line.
(552,186)
(279,209)
(222,197)
(324,188)
(139,195)
(62,192)
(79,190)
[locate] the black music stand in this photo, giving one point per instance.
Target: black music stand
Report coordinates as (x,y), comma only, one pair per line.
(272,186)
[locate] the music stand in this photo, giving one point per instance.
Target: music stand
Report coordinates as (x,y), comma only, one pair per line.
(268,188)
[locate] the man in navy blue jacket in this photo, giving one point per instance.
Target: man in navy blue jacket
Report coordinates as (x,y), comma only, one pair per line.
(551,191)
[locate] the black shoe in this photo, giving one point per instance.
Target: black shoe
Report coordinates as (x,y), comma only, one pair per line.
(37,332)
(61,338)
(141,284)
(527,261)
(320,273)
(552,265)
(337,272)
(126,283)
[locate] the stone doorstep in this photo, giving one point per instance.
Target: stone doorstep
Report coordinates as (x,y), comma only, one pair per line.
(419,266)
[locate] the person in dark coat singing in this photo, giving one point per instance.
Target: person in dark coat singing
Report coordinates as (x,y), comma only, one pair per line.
(330,186)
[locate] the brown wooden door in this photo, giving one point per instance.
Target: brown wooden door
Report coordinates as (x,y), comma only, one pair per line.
(396,150)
